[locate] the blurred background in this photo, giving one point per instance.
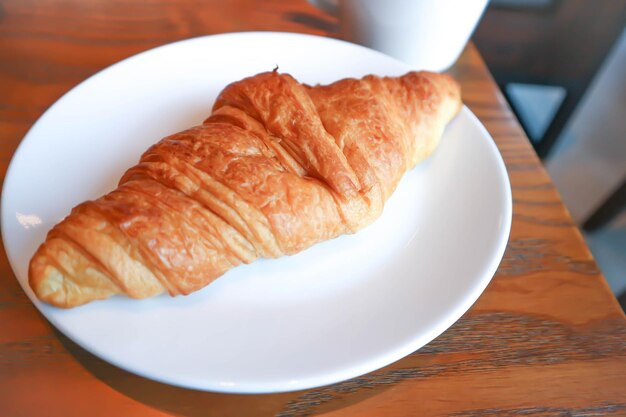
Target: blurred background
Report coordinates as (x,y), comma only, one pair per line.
(561,65)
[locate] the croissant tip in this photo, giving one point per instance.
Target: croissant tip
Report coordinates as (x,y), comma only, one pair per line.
(49,287)
(58,291)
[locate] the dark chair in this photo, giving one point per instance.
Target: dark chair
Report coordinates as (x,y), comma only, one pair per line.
(607,210)
(549,42)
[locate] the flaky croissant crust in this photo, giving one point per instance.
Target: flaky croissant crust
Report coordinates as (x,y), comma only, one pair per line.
(277,167)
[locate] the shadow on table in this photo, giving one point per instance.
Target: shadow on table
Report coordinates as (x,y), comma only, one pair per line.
(191,403)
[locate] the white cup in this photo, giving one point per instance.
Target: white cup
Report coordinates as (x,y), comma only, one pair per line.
(427,34)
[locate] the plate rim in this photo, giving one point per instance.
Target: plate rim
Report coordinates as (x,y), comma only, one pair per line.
(381,360)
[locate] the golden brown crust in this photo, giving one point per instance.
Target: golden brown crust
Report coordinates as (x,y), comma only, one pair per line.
(276,168)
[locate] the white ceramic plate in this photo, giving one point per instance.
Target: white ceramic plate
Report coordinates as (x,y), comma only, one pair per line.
(338,310)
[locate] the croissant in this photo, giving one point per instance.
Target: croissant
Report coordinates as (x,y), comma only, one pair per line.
(277,167)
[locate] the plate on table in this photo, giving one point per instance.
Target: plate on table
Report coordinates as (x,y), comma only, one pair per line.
(335,311)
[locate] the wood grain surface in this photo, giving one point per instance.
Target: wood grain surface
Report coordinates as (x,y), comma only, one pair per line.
(547,338)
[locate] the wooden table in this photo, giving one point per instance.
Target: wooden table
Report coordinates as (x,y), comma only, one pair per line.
(547,338)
